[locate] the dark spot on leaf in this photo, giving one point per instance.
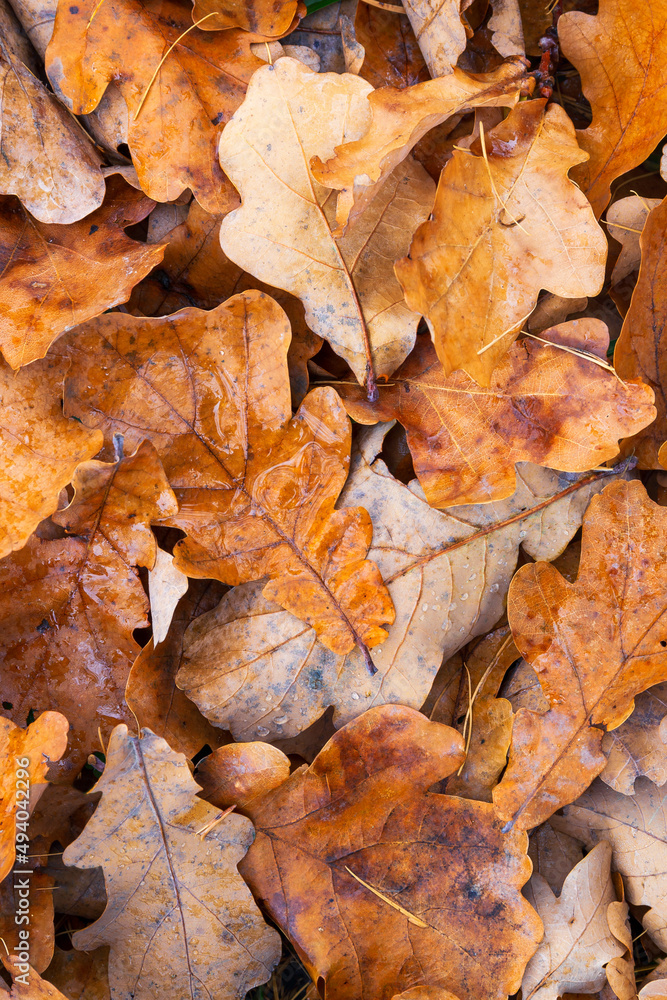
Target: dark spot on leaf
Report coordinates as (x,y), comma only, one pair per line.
(93,229)
(43,627)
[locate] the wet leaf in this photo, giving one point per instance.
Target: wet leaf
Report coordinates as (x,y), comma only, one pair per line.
(440,32)
(639,746)
(265,17)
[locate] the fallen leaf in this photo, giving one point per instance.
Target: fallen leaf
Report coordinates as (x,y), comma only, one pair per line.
(347,285)
(589,673)
(256,487)
(638,350)
(151,692)
(486,756)
(357,846)
(636,828)
(166,586)
(264,17)
(543,405)
(552,310)
(506,28)
(176,917)
(83,974)
(68,607)
(440,32)
(258,671)
(48,161)
(625,221)
(392,56)
(619,54)
(620,971)
(40,889)
(40,447)
(639,746)
(510,220)
(55,277)
(29,985)
(398,120)
(425,993)
(577,941)
(43,741)
(176,119)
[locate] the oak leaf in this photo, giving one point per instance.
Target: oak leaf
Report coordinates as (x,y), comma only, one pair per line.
(48,161)
(639,350)
(486,749)
(260,672)
(55,277)
(554,854)
(399,119)
(636,827)
(43,741)
(256,487)
(594,645)
(507,222)
(68,606)
(83,974)
(392,56)
(639,746)
(40,447)
(166,586)
(178,913)
(380,884)
(151,691)
(626,219)
(543,405)
(41,903)
(283,231)
(619,54)
(173,134)
(264,17)
(577,941)
(440,32)
(29,985)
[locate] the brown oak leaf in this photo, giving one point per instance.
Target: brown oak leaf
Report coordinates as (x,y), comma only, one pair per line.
(543,405)
(264,17)
(507,222)
(594,645)
(639,746)
(54,276)
(392,55)
(380,884)
(256,487)
(440,32)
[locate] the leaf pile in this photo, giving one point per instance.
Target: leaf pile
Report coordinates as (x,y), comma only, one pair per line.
(333,500)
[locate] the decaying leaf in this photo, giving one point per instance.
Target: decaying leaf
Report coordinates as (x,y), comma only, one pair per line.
(440,32)
(283,232)
(543,405)
(28,985)
(151,690)
(355,859)
(490,735)
(619,54)
(636,828)
(621,969)
(639,350)
(399,119)
(179,919)
(639,746)
(507,29)
(554,854)
(256,487)
(577,941)
(166,586)
(83,974)
(392,55)
(43,741)
(594,645)
(68,606)
(176,118)
(626,219)
(265,17)
(40,910)
(54,277)
(47,159)
(40,449)
(258,671)
(507,222)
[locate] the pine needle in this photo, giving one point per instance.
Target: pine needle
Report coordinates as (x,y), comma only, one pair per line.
(580,354)
(161,63)
(417,921)
(493,183)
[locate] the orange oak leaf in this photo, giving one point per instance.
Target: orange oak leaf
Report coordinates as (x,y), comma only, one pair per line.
(68,606)
(392,54)
(264,17)
(54,277)
(173,134)
(399,119)
(40,448)
(380,884)
(47,160)
(543,405)
(594,645)
(257,488)
(639,351)
(179,920)
(507,222)
(619,53)
(43,741)
(29,985)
